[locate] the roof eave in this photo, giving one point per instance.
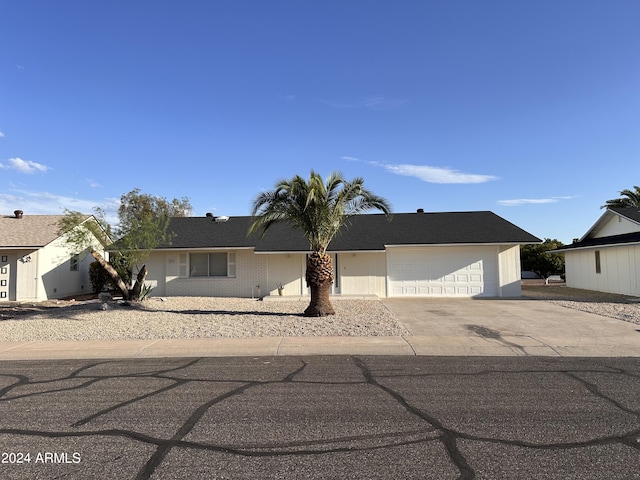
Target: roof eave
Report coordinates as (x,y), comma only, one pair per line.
(191,249)
(608,213)
(588,247)
(465,244)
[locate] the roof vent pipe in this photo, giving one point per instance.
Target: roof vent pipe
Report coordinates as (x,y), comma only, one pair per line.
(420,210)
(209,214)
(18,213)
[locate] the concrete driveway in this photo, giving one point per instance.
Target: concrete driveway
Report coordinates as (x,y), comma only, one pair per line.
(462,326)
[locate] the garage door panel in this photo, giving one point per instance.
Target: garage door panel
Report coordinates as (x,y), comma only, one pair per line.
(462,278)
(442,272)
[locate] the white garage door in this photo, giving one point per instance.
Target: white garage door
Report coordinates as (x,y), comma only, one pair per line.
(442,271)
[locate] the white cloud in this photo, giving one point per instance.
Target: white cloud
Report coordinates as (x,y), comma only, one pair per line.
(42,203)
(93,183)
(372,103)
(517,202)
(336,104)
(2,135)
(428,173)
(45,203)
(378,103)
(24,166)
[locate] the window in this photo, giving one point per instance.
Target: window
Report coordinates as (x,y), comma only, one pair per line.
(182,265)
(598,267)
(74,262)
(218,264)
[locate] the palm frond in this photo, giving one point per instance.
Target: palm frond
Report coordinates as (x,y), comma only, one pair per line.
(632,199)
(317,207)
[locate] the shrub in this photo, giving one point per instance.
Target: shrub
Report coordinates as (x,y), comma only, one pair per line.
(98,276)
(119,263)
(145,292)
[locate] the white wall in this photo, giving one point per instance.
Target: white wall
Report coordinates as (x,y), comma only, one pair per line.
(509,271)
(619,267)
(362,273)
(286,269)
(251,273)
(157,272)
(359,273)
(55,277)
(37,275)
(617,226)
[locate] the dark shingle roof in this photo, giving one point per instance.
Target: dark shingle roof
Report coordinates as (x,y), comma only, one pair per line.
(364,232)
(632,213)
(589,240)
(601,241)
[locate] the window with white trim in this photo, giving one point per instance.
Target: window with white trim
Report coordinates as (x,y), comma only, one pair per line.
(208,264)
(183,266)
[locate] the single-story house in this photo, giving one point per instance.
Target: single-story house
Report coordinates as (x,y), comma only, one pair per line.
(35,262)
(465,254)
(607,257)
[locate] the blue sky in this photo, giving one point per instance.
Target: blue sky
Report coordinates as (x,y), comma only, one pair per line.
(530,109)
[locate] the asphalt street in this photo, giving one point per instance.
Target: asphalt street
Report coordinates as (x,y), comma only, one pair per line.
(401,417)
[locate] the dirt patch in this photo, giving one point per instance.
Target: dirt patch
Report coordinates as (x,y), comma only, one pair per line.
(10,310)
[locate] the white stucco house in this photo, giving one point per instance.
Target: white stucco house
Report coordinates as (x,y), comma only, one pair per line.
(462,254)
(35,262)
(607,257)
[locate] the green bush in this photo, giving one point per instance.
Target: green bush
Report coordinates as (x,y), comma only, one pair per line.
(145,292)
(121,266)
(98,276)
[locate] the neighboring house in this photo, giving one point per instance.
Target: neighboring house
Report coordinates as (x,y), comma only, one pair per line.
(35,263)
(607,257)
(464,254)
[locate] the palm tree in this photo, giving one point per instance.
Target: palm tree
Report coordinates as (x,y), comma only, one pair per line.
(318,209)
(632,200)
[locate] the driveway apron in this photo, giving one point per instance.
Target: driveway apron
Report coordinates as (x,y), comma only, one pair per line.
(521,324)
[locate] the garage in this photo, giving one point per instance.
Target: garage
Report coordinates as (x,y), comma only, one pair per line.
(442,271)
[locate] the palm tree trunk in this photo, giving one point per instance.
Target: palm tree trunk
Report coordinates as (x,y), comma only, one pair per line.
(319,277)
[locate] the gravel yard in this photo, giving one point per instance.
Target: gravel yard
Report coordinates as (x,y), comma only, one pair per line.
(193,317)
(621,307)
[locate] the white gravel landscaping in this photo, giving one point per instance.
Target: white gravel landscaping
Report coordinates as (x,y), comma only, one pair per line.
(202,317)
(198,317)
(621,307)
